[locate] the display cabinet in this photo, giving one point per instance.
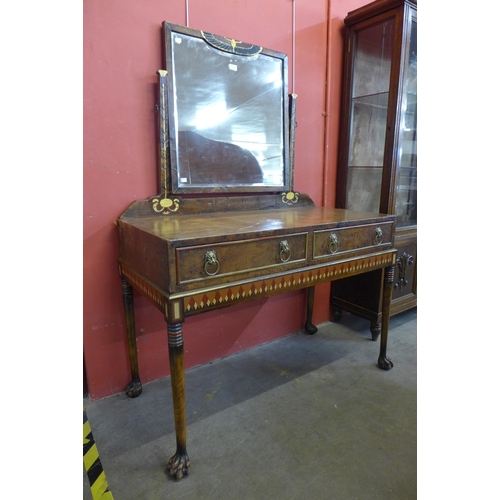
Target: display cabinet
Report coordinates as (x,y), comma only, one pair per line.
(377,169)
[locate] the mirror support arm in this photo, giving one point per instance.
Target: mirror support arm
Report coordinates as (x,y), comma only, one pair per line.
(163,128)
(292,106)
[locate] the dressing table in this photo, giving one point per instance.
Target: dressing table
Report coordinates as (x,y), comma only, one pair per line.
(227,226)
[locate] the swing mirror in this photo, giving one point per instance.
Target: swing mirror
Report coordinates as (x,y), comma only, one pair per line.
(227,114)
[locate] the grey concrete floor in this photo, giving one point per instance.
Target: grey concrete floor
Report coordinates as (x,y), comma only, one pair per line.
(301,417)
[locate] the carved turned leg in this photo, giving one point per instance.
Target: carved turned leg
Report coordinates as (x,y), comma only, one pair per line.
(178,465)
(309,327)
(133,389)
(383,361)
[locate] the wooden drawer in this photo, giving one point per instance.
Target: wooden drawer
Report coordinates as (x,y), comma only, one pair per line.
(226,259)
(338,241)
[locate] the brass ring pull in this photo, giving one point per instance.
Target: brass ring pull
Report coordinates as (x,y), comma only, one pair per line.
(333,243)
(285,252)
(378,236)
(211,262)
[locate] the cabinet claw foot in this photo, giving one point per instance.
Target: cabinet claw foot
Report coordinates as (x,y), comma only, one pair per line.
(134,389)
(178,465)
(385,363)
(310,328)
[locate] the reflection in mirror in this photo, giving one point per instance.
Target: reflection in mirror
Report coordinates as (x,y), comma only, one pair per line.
(227,115)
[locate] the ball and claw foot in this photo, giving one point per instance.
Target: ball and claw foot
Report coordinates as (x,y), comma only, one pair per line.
(310,328)
(134,389)
(385,363)
(178,465)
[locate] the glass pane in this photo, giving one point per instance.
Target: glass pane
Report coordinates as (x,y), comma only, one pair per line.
(372,60)
(363,186)
(369,102)
(406,182)
(228,113)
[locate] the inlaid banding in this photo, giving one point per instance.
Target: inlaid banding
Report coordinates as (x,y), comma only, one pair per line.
(175,336)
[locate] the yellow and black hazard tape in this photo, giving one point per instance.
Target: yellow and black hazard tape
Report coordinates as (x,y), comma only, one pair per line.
(93,466)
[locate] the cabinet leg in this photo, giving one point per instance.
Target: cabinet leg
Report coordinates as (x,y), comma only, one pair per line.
(178,465)
(309,327)
(336,313)
(375,329)
(384,362)
(133,389)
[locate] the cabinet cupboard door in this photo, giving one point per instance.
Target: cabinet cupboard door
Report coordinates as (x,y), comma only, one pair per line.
(372,59)
(406,177)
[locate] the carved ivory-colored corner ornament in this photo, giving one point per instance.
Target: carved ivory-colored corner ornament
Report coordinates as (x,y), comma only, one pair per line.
(165,205)
(290,198)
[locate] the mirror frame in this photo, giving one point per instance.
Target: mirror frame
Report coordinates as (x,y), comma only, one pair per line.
(167,107)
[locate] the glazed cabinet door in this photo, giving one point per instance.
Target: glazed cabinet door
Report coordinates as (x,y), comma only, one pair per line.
(405,185)
(372,50)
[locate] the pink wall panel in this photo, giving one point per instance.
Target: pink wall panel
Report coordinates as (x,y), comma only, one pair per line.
(338,11)
(122,52)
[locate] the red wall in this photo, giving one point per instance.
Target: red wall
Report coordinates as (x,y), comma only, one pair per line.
(122,52)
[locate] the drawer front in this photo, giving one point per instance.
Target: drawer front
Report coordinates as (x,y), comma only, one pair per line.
(225,259)
(344,240)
